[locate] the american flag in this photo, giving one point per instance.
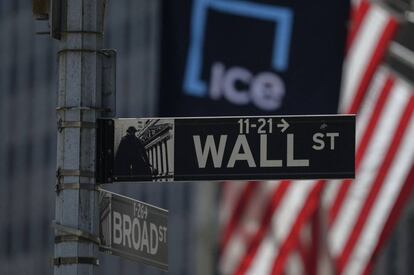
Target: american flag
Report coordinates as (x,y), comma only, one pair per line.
(302,227)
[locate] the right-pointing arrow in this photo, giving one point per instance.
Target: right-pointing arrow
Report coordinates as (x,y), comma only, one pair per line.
(284,125)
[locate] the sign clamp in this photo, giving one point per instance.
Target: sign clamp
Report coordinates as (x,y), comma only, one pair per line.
(72,234)
(74,173)
(69,238)
(75,124)
(76,186)
(75,260)
(81,108)
(103,52)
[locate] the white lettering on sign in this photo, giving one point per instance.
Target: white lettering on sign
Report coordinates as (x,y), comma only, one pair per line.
(239,86)
(319,141)
(236,155)
(140,210)
(154,241)
(144,241)
(126,230)
(264,162)
(291,161)
(117,228)
(241,151)
(137,234)
(210,147)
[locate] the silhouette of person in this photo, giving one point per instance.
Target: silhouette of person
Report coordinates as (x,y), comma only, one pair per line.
(131,158)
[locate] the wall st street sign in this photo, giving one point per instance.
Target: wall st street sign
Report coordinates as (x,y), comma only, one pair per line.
(133,229)
(226,148)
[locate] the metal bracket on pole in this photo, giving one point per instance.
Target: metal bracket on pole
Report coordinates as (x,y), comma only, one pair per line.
(78,51)
(84,32)
(78,108)
(57,23)
(108,82)
(75,260)
(74,173)
(76,186)
(75,124)
(73,232)
(108,77)
(40,9)
(56,20)
(69,238)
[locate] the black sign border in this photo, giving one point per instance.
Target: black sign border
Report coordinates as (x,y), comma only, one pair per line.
(104,152)
(105,155)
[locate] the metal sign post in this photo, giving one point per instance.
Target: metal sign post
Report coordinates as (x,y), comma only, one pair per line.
(79,105)
(226,148)
(133,229)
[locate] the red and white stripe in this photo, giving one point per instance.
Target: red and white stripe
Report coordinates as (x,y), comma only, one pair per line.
(384,159)
(271,246)
(359,211)
(244,222)
(369,37)
(268,229)
(379,116)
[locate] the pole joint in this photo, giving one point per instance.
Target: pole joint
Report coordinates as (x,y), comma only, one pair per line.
(100,33)
(75,124)
(76,186)
(60,173)
(81,50)
(73,234)
(75,260)
(82,108)
(74,173)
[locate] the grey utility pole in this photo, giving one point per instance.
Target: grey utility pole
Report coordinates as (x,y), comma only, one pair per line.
(79,104)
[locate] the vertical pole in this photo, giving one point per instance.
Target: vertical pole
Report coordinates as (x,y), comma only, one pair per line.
(79,99)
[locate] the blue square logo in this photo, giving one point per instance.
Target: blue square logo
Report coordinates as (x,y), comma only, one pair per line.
(282,17)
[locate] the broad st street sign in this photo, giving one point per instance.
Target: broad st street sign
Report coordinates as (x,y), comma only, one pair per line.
(133,229)
(226,148)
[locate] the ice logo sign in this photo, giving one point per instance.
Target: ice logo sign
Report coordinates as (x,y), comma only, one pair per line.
(237,84)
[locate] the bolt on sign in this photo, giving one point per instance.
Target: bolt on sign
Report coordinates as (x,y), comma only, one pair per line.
(133,229)
(226,148)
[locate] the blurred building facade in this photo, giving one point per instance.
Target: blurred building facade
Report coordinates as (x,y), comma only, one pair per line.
(28,83)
